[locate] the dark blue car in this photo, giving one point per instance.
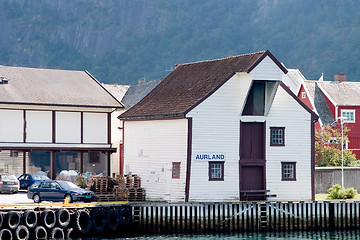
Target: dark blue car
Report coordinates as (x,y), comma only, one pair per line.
(58,191)
(28,179)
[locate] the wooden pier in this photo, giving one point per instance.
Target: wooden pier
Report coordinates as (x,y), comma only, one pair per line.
(217,218)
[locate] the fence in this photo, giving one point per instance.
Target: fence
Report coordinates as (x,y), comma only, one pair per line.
(215,218)
(326,177)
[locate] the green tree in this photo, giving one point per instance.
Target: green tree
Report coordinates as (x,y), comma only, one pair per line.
(328,148)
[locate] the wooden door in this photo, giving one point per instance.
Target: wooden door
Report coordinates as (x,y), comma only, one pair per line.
(252,161)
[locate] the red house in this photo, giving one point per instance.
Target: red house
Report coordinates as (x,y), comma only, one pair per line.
(332,100)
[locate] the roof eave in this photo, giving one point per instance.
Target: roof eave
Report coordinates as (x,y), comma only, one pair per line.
(265,54)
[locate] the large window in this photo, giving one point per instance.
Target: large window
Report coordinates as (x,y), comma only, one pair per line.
(277,136)
(288,170)
(95,162)
(349,115)
(39,161)
(216,171)
(67,160)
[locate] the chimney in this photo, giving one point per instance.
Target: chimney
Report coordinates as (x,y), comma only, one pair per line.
(141,80)
(340,77)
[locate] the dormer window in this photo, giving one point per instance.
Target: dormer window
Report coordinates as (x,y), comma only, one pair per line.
(259,98)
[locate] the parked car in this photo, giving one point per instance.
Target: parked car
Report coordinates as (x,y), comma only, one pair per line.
(8,183)
(28,179)
(56,191)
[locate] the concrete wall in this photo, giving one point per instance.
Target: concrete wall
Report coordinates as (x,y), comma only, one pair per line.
(326,177)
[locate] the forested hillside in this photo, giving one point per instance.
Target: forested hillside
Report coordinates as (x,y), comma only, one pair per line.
(119,41)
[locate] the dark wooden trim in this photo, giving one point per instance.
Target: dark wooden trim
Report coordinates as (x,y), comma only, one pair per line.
(24,161)
(314,115)
(24,126)
(109,128)
(282,171)
(222,170)
(59,105)
(121,149)
(53,127)
(82,162)
(53,164)
(188,161)
(312,127)
(283,136)
(265,54)
(81,127)
(108,163)
(150,118)
(59,149)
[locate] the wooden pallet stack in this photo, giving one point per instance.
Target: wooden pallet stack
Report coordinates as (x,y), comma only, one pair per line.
(123,188)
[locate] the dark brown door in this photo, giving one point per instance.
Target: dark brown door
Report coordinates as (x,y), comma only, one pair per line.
(252,161)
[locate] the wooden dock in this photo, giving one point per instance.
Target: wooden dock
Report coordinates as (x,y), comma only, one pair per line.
(215,218)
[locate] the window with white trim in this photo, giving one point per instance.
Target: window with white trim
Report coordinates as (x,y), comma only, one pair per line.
(349,115)
(303,94)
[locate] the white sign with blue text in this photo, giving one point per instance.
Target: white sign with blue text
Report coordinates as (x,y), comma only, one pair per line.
(209,156)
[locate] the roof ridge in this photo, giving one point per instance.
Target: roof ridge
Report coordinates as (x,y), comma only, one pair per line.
(220,59)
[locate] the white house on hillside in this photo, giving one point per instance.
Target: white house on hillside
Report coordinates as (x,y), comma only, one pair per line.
(222,130)
(54,120)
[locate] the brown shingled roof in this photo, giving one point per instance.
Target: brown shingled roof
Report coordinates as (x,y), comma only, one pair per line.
(189,84)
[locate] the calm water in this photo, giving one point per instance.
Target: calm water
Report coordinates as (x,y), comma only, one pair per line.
(251,236)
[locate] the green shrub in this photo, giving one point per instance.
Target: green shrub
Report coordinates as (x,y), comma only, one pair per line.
(336,192)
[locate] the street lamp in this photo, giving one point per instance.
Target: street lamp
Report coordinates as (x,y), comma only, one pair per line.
(342,150)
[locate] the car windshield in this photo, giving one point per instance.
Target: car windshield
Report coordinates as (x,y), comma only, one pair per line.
(67,185)
(8,177)
(40,177)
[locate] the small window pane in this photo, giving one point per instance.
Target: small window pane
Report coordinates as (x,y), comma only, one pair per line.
(277,136)
(175,170)
(288,171)
(216,171)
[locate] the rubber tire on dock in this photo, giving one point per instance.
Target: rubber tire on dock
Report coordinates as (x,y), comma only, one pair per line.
(29,218)
(22,232)
(1,218)
(82,221)
(48,218)
(6,234)
(62,217)
(124,216)
(98,220)
(40,232)
(113,219)
(57,233)
(70,233)
(13,219)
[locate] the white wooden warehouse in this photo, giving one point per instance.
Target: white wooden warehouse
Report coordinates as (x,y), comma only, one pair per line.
(222,130)
(54,120)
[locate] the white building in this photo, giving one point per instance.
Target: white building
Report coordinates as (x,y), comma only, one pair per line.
(54,120)
(222,130)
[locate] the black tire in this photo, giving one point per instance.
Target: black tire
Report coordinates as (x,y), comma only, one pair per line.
(113,219)
(125,216)
(82,221)
(40,232)
(68,196)
(13,219)
(1,219)
(36,198)
(22,232)
(48,218)
(5,234)
(62,218)
(29,218)
(70,233)
(99,220)
(57,233)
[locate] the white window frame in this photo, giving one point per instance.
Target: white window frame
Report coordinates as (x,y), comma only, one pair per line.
(346,112)
(303,94)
